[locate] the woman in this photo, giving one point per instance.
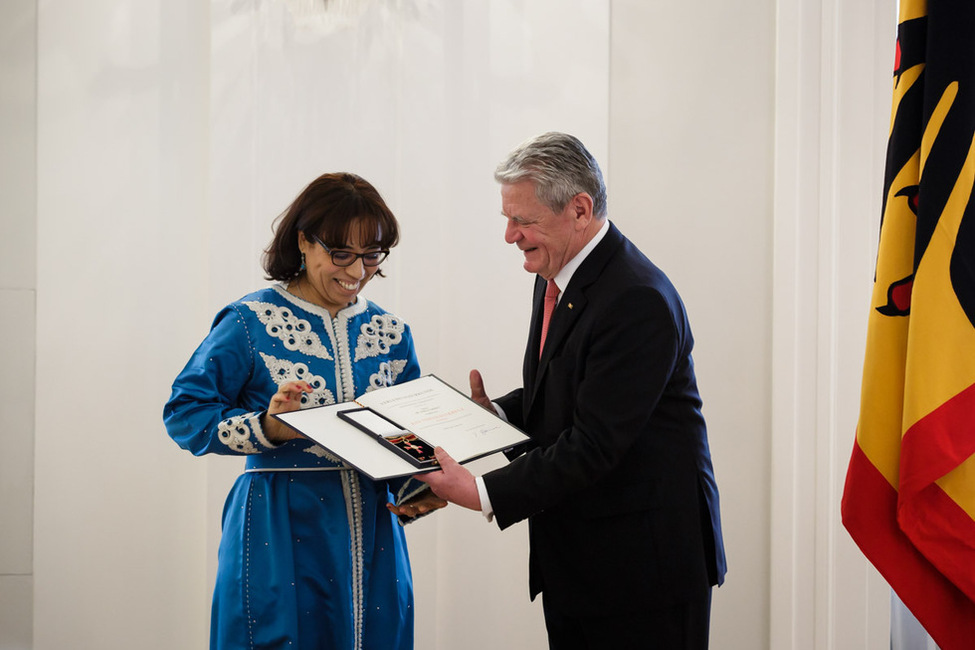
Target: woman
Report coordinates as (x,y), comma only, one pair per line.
(309,557)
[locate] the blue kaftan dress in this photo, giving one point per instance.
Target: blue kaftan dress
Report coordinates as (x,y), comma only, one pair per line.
(309,557)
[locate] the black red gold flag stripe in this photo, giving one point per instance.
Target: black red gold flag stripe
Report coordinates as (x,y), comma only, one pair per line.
(909,499)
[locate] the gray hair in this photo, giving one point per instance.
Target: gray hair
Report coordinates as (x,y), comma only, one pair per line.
(560,166)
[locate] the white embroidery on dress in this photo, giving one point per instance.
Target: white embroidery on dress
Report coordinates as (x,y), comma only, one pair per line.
(321,452)
(343,367)
(379,335)
(353,504)
(283,371)
(235,432)
(387,374)
(294,332)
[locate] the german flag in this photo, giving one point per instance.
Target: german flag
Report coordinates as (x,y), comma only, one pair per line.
(909,499)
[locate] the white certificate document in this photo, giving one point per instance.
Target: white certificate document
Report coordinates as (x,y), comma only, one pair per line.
(427,407)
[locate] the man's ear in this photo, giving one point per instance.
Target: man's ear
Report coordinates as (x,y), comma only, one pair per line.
(580,207)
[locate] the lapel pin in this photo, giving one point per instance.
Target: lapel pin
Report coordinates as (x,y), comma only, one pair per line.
(570,305)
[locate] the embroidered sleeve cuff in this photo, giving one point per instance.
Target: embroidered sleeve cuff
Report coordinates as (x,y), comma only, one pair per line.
(410,489)
(243,434)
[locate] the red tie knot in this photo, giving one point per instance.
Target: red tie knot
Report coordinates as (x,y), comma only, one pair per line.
(552,290)
(551,295)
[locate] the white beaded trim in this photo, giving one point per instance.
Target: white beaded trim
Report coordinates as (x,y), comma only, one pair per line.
(353,504)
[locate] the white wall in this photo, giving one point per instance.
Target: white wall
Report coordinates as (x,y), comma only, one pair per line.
(691,151)
(170,134)
(122,148)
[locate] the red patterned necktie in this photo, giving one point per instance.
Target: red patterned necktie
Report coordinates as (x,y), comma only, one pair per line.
(551,296)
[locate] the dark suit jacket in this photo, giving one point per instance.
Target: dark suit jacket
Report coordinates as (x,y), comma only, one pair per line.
(617,482)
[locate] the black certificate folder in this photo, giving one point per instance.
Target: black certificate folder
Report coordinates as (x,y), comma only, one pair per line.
(375,433)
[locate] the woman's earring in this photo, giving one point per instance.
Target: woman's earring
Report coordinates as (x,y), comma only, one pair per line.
(302,262)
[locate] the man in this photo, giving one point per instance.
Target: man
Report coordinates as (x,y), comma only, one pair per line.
(617,482)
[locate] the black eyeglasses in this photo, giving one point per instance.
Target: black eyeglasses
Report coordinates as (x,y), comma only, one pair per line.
(348,258)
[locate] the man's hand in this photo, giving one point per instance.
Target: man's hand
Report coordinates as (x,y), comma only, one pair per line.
(477,391)
(453,482)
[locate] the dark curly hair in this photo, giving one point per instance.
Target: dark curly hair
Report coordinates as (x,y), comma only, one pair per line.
(330,207)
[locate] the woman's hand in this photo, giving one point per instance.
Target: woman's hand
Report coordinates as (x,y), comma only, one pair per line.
(287,399)
(421,504)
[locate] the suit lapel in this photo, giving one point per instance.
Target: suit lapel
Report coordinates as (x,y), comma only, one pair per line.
(571,307)
(534,332)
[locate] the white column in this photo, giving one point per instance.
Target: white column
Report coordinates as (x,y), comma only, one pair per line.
(834,65)
(18,283)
